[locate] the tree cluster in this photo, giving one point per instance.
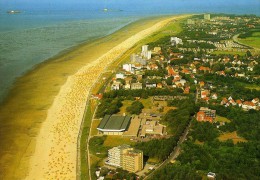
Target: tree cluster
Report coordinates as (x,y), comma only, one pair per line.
(108,106)
(135,108)
(158,149)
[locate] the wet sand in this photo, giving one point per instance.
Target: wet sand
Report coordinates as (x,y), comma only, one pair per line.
(41,118)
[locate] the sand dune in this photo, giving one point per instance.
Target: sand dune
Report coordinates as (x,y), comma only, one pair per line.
(55,154)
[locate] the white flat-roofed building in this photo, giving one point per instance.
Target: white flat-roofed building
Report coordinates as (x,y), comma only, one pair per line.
(128,67)
(120,76)
(175,41)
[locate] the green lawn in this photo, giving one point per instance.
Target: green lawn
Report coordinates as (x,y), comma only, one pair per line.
(147,103)
(256,87)
(112,141)
(229,52)
(126,103)
(222,119)
(83,146)
(253,41)
(95,124)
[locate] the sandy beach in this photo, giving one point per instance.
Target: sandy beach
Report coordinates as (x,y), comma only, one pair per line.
(51,151)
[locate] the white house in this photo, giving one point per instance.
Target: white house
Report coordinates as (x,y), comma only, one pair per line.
(120,76)
(175,41)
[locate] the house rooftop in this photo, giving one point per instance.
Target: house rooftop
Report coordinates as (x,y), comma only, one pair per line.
(114,123)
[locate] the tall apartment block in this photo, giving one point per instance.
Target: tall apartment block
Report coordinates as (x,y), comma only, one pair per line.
(207,16)
(126,157)
(132,160)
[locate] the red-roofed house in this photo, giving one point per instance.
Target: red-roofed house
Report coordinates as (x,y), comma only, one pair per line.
(239,102)
(171,71)
(204,94)
(248,105)
(214,96)
(201,84)
(232,101)
(203,68)
(224,101)
(159,85)
(186,71)
(187,90)
(98,96)
(206,114)
(255,101)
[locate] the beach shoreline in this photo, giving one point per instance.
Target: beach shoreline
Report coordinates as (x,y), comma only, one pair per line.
(59,118)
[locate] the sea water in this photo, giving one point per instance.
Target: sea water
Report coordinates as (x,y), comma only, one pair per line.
(44,29)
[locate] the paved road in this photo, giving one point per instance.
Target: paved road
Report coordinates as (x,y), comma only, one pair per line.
(174,154)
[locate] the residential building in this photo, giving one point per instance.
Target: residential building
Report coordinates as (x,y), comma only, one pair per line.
(206,115)
(137,59)
(120,76)
(175,41)
(128,67)
(214,96)
(145,53)
(190,21)
(127,86)
(157,49)
(136,86)
(115,86)
(207,16)
(126,157)
(114,155)
(132,160)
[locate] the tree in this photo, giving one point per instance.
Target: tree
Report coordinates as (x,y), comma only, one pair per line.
(169,80)
(135,108)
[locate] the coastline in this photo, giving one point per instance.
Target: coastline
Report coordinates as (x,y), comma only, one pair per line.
(51,98)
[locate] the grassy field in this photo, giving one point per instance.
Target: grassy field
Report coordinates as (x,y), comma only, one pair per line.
(153,160)
(222,119)
(112,141)
(94,126)
(95,161)
(83,146)
(126,103)
(256,87)
(229,52)
(233,136)
(147,102)
(253,41)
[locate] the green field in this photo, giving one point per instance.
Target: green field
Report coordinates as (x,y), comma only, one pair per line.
(222,119)
(253,41)
(229,52)
(253,87)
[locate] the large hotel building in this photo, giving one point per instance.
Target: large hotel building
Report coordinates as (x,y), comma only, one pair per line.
(126,157)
